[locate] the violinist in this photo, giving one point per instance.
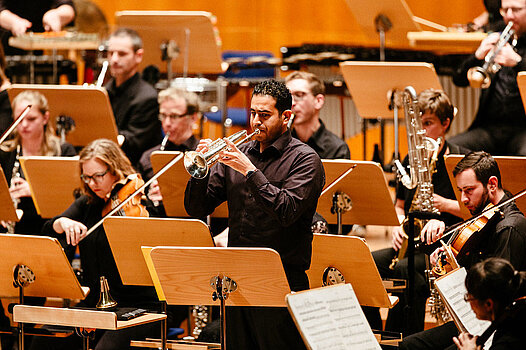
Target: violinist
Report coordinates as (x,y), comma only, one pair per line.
(492,286)
(478,179)
(103,168)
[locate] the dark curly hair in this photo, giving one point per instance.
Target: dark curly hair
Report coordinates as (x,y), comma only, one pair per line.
(278,91)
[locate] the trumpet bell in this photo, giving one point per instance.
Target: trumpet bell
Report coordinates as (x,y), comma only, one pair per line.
(478,78)
(195,164)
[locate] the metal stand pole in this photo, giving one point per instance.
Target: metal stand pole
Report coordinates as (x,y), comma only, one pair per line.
(223,286)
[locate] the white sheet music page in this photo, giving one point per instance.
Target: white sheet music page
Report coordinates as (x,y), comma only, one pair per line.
(452,287)
(331,318)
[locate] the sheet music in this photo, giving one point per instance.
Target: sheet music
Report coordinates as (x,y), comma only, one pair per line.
(452,288)
(331,318)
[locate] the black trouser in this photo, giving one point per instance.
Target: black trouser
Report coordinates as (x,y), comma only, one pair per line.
(437,338)
(404,317)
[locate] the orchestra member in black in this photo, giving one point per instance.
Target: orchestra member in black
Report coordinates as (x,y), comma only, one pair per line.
(133,100)
(437,116)
(272,187)
(103,168)
(500,123)
(478,179)
(493,285)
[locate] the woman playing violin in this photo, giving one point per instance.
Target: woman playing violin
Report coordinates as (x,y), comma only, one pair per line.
(492,286)
(103,166)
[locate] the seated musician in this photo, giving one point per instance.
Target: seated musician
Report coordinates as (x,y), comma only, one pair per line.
(492,286)
(437,116)
(133,100)
(272,187)
(103,166)
(478,179)
(21,16)
(34,136)
(500,123)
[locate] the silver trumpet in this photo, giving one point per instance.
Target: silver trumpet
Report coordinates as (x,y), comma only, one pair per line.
(198,164)
(480,77)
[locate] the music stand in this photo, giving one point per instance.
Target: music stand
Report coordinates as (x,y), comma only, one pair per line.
(173,183)
(332,252)
(126,235)
(91,123)
(364,184)
(52,181)
(446,42)
(378,17)
(191,44)
(512,171)
(521,82)
(7,212)
(41,269)
(370,82)
(228,274)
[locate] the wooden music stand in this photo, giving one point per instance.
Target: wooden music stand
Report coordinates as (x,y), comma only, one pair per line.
(521,82)
(231,272)
(126,235)
(446,42)
(372,83)
(397,12)
(191,32)
(91,123)
(53,181)
(364,182)
(40,268)
(512,171)
(173,183)
(7,212)
(357,268)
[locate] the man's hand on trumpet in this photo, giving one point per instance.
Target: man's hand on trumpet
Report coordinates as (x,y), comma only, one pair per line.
(235,159)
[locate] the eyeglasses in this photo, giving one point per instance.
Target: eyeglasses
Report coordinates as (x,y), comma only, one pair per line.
(504,10)
(172,117)
(97,177)
(468,298)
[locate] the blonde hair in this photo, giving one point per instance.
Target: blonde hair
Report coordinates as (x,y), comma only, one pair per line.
(50,143)
(110,154)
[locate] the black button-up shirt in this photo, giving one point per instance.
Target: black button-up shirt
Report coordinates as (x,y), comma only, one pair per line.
(136,112)
(271,208)
(327,144)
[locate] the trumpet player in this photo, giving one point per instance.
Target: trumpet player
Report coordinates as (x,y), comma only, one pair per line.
(271,185)
(500,122)
(437,115)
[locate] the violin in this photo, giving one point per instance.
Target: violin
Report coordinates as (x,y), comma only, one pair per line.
(462,242)
(121,191)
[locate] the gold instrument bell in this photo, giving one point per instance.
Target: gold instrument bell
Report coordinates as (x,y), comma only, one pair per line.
(105,300)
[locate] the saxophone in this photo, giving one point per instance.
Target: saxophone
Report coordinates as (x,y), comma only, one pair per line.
(422,167)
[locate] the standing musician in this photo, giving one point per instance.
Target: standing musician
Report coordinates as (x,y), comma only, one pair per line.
(500,123)
(272,187)
(478,179)
(437,116)
(492,286)
(103,167)
(32,137)
(133,100)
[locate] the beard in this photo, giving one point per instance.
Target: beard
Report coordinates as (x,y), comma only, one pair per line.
(484,201)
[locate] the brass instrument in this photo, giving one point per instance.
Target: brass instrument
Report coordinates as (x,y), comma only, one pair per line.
(105,300)
(198,164)
(480,77)
(421,165)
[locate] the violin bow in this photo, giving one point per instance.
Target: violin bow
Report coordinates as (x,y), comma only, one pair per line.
(137,191)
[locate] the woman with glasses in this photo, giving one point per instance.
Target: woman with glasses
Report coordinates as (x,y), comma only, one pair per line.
(34,136)
(104,167)
(492,286)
